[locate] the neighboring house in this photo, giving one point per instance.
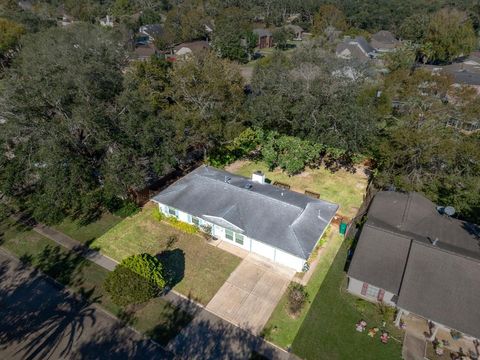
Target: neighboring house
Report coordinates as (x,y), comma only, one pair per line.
(355,49)
(280,225)
(187,49)
(150,32)
(106,21)
(144,52)
(384,41)
(413,256)
(265,38)
(296,30)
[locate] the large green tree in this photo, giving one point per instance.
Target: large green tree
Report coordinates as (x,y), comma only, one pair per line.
(65,141)
(450,34)
(315,97)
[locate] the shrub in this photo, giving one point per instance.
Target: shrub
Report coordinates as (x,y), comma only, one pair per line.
(127,287)
(127,209)
(297,297)
(185,227)
(157,214)
(147,266)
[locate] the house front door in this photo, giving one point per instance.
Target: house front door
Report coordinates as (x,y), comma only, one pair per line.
(218,232)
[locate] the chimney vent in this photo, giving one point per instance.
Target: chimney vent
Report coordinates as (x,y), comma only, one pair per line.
(258,177)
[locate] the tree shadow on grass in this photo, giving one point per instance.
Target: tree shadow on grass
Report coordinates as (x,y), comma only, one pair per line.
(173,262)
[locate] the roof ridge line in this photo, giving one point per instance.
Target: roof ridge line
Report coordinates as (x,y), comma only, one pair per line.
(257,193)
(298,242)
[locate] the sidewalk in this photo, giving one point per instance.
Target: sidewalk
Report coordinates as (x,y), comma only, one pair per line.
(202,336)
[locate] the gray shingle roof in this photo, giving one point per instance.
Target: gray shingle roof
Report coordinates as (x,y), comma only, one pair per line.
(440,281)
(443,287)
(262,32)
(285,219)
(380,258)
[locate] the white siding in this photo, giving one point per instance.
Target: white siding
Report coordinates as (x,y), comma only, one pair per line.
(355,287)
(289,260)
(263,250)
(182,216)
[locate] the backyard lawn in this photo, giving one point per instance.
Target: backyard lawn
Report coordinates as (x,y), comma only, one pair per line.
(328,331)
(157,318)
(200,269)
(341,187)
(86,233)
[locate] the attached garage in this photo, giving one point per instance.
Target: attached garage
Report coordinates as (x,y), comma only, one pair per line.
(264,250)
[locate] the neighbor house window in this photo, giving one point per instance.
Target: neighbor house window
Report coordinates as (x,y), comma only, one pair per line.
(229,234)
(372,291)
(239,239)
(195,221)
(172,212)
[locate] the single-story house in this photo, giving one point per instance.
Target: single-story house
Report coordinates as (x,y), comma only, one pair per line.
(265,38)
(357,49)
(188,48)
(144,52)
(296,30)
(384,41)
(151,31)
(280,225)
(412,255)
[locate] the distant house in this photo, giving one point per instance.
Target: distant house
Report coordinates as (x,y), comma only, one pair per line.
(384,41)
(357,49)
(410,254)
(106,21)
(281,225)
(150,32)
(187,49)
(265,38)
(296,30)
(144,52)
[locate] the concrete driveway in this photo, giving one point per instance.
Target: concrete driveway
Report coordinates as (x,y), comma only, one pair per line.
(251,293)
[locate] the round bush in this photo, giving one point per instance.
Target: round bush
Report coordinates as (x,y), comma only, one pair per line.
(147,266)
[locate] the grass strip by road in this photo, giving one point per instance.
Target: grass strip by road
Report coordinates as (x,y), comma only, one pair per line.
(281,328)
(156,318)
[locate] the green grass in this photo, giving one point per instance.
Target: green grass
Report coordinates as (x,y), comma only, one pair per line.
(89,232)
(281,328)
(202,268)
(342,187)
(156,318)
(328,331)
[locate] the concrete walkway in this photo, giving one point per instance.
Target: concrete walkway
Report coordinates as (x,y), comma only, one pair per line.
(207,335)
(413,347)
(71,244)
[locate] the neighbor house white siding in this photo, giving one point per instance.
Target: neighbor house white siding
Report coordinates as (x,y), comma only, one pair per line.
(361,289)
(257,247)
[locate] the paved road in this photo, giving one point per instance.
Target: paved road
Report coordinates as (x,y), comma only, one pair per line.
(40,320)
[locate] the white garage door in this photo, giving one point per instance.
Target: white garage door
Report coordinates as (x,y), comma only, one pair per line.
(289,260)
(264,250)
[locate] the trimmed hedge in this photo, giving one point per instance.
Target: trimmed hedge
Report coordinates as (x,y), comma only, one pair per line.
(185,227)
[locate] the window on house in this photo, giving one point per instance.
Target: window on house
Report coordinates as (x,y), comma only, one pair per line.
(229,234)
(372,291)
(239,239)
(195,221)
(172,212)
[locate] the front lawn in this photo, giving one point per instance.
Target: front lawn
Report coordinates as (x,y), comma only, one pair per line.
(281,328)
(201,269)
(328,331)
(340,187)
(86,233)
(156,318)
